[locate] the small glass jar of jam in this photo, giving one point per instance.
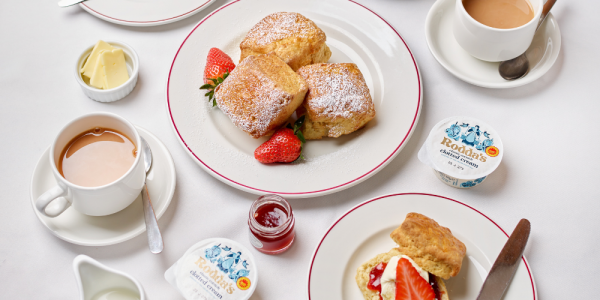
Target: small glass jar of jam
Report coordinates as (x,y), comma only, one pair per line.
(271,223)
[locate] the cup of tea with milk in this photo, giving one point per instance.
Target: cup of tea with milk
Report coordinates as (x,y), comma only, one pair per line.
(496,30)
(97,165)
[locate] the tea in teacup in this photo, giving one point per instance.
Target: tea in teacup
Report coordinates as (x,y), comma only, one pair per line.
(502,14)
(97,157)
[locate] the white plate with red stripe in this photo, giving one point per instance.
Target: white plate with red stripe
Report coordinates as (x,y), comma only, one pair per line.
(354,34)
(364,231)
(144,13)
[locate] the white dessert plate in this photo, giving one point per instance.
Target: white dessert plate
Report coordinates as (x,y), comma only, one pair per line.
(364,231)
(144,13)
(354,34)
(80,229)
(542,53)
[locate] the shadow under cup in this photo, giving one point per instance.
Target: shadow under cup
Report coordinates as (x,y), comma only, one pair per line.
(494,44)
(109,198)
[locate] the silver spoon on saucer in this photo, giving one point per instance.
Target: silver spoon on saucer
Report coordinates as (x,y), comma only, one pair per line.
(155,241)
(518,67)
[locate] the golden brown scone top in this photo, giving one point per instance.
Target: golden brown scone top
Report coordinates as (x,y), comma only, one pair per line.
(293,37)
(338,100)
(431,246)
(260,94)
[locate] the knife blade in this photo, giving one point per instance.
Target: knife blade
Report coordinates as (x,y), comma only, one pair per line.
(506,264)
(65,3)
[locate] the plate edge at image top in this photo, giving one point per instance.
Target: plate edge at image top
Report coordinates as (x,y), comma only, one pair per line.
(147,23)
(302,194)
(362,204)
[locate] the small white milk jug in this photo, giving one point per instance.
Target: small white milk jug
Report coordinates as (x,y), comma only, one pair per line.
(98,282)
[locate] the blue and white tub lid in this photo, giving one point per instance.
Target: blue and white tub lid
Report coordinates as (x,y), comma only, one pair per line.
(462,147)
(216,268)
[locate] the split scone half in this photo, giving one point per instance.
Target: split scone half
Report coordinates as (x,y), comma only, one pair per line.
(338,100)
(293,37)
(260,94)
(430,248)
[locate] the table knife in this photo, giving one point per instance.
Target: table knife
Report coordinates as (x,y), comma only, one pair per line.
(506,264)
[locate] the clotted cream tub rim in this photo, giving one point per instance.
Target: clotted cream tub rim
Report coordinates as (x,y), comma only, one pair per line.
(427,150)
(171,275)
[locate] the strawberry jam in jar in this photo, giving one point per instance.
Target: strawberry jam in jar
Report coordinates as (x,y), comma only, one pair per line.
(271,223)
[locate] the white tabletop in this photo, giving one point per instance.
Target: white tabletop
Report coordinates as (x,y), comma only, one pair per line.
(546,176)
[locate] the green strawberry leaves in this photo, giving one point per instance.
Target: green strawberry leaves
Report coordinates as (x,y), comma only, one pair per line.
(297,125)
(211,87)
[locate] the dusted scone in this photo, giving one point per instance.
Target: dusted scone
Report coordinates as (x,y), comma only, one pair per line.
(260,94)
(430,245)
(338,100)
(431,249)
(293,37)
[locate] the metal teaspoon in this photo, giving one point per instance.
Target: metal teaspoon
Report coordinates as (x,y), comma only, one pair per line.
(155,241)
(519,66)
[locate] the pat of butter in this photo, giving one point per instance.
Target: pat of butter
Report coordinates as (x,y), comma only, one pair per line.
(98,78)
(115,69)
(90,64)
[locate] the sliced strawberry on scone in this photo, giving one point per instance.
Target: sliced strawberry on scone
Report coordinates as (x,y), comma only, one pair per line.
(218,67)
(410,285)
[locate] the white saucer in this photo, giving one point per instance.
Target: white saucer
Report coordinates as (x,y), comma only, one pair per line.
(438,30)
(81,229)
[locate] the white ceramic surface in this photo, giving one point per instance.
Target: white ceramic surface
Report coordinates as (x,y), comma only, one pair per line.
(95,279)
(227,153)
(493,44)
(81,229)
(144,13)
(542,52)
(363,232)
(133,66)
(99,200)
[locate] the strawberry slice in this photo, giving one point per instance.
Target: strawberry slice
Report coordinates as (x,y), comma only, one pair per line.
(410,285)
(285,145)
(218,66)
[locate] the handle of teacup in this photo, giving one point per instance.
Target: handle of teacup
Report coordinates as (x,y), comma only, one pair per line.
(46,198)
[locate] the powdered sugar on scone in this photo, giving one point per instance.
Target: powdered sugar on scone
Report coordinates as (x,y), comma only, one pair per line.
(335,91)
(281,25)
(260,94)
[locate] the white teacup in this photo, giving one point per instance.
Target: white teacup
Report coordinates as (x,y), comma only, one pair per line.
(94,201)
(494,44)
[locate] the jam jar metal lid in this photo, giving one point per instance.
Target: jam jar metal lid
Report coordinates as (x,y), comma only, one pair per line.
(462,147)
(215,268)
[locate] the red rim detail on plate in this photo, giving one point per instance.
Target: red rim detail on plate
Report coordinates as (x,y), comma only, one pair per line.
(300,193)
(147,22)
(401,194)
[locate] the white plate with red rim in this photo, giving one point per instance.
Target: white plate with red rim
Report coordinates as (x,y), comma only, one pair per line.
(331,165)
(363,232)
(144,13)
(77,228)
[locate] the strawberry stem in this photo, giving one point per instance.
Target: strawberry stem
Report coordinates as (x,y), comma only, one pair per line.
(212,85)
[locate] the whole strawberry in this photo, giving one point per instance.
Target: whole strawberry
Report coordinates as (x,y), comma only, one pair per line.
(218,67)
(285,145)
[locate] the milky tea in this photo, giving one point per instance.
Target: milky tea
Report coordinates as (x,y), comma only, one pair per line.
(97,157)
(502,14)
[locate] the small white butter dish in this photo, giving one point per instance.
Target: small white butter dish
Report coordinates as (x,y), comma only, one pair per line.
(114,94)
